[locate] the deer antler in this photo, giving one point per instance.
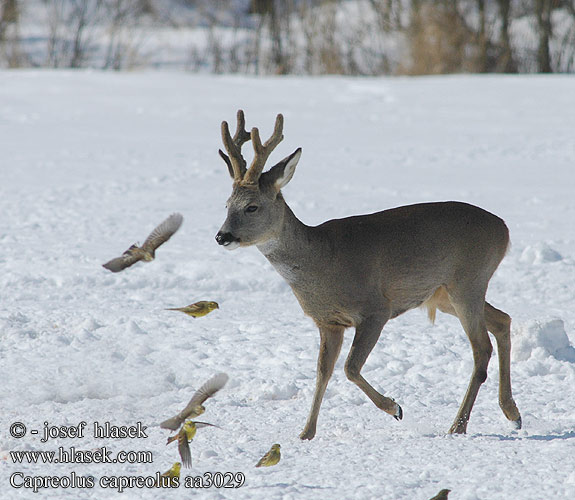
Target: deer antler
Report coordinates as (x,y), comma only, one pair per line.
(262,152)
(235,160)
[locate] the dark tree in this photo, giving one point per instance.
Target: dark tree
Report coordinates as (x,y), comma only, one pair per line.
(543,9)
(506,62)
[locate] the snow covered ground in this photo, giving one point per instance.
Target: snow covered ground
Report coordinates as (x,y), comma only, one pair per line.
(91,162)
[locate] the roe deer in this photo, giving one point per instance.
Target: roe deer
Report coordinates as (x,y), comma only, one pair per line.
(362,271)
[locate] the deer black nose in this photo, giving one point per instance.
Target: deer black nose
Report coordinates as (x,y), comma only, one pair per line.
(225,238)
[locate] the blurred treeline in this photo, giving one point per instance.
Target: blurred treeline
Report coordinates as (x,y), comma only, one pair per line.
(352,37)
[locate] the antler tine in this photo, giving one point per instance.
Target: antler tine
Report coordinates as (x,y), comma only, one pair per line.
(242,135)
(234,146)
(262,152)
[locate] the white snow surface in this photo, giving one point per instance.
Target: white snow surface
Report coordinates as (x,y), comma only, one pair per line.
(91,162)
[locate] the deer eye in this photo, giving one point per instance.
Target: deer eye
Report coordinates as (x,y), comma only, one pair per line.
(251,209)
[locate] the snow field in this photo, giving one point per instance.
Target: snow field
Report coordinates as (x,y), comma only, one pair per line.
(93,161)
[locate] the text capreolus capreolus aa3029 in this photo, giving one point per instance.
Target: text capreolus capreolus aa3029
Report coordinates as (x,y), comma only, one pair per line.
(362,271)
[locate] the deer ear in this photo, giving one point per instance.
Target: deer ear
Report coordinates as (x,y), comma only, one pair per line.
(281,173)
(226,158)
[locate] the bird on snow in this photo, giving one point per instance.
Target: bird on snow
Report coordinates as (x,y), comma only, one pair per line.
(147,251)
(197,309)
(184,437)
(172,473)
(272,457)
(442,495)
(195,407)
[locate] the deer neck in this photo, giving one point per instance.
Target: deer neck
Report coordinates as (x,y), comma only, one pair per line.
(294,249)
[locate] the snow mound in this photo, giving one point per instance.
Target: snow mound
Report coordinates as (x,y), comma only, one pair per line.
(278,392)
(539,253)
(134,328)
(542,339)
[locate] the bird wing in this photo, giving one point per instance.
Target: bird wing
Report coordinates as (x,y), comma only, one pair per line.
(272,457)
(127,259)
(264,459)
(199,425)
(184,449)
(163,232)
(196,307)
(207,390)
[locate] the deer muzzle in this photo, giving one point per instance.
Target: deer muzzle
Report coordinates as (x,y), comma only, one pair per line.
(227,240)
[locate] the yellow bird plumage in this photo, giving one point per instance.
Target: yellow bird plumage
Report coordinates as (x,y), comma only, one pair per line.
(184,436)
(195,407)
(147,251)
(197,309)
(272,457)
(172,473)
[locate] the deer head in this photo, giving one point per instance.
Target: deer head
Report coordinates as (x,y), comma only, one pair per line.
(256,206)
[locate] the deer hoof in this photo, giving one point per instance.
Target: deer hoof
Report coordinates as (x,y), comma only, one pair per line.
(398,415)
(307,434)
(459,427)
(517,423)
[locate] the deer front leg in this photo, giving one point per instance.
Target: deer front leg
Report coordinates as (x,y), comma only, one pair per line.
(330,346)
(366,335)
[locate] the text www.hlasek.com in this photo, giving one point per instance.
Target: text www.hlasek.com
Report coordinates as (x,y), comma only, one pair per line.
(72,455)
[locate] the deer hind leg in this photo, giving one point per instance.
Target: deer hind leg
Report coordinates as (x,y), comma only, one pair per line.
(330,347)
(499,324)
(469,308)
(366,335)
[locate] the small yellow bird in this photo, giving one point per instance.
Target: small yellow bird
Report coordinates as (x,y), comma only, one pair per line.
(195,407)
(197,309)
(272,457)
(442,495)
(184,436)
(147,251)
(172,473)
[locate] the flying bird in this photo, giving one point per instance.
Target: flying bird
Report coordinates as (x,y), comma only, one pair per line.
(184,437)
(272,457)
(195,406)
(442,495)
(197,309)
(147,251)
